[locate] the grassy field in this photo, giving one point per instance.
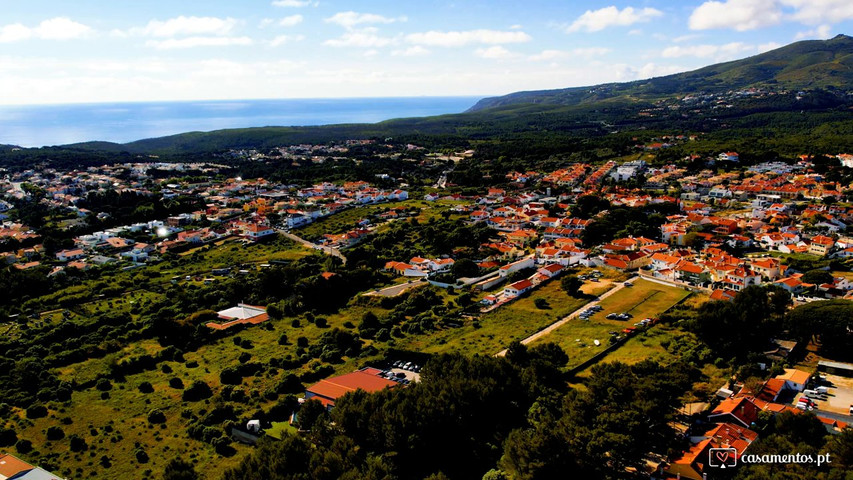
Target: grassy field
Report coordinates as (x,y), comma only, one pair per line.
(644,299)
(346,220)
(514,321)
(114,423)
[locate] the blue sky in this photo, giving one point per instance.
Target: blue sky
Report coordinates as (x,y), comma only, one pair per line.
(100,51)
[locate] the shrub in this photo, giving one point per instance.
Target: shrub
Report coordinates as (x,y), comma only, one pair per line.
(8,437)
(198,390)
(282,340)
(156,416)
(24,446)
(146,387)
(141,455)
(176,382)
(55,433)
(76,443)
(302,342)
(36,411)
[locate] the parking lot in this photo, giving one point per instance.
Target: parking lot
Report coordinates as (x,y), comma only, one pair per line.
(839,395)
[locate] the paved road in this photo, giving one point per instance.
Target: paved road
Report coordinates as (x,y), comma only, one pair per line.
(834,416)
(328,250)
(395,290)
(559,323)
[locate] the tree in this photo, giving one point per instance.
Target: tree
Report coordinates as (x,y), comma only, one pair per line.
(310,414)
(156,416)
(198,390)
(540,303)
(465,268)
(54,433)
(145,387)
(8,437)
(817,277)
(571,284)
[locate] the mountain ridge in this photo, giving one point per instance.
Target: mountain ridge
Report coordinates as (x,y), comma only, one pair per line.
(806,64)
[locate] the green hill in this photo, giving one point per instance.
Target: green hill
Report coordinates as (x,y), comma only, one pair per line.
(802,65)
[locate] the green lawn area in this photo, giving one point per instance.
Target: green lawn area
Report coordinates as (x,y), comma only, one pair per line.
(644,299)
(280,429)
(514,321)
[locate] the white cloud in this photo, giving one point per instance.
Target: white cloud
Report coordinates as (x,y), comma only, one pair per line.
(186,26)
(284,39)
(413,51)
(740,15)
(822,32)
(458,39)
(596,20)
(352,19)
(515,27)
(58,28)
(364,38)
(61,28)
(651,70)
(290,21)
(718,52)
(495,52)
(14,33)
(191,42)
(814,12)
(294,3)
(587,52)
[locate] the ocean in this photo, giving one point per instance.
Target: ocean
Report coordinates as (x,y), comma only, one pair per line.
(42,125)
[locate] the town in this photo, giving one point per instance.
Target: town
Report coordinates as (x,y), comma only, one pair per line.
(567,256)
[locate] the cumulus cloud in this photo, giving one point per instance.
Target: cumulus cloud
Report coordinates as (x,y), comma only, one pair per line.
(413,51)
(186,26)
(294,3)
(353,19)
(458,39)
(597,20)
(822,32)
(191,42)
(740,15)
(552,55)
(496,52)
(364,38)
(58,28)
(814,12)
(290,21)
(718,52)
(285,39)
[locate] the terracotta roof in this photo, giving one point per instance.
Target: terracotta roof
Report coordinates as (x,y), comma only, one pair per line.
(10,466)
(335,387)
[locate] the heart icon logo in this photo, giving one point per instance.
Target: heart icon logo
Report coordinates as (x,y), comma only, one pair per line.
(722,456)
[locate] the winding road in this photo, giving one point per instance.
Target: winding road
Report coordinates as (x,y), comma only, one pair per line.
(328,250)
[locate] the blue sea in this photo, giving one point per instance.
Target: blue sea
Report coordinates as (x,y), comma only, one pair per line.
(41,125)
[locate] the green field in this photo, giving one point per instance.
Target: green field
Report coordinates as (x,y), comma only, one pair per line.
(645,299)
(514,321)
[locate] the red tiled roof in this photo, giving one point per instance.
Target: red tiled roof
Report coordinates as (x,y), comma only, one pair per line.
(335,387)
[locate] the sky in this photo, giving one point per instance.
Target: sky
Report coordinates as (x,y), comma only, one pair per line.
(87,51)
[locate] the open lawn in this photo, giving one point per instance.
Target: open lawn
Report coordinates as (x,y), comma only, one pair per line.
(497,329)
(645,299)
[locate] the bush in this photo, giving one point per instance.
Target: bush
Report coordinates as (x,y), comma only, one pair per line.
(244,357)
(36,411)
(141,455)
(76,443)
(8,437)
(302,342)
(145,387)
(24,446)
(282,340)
(540,303)
(321,322)
(176,382)
(230,376)
(197,391)
(55,433)
(156,416)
